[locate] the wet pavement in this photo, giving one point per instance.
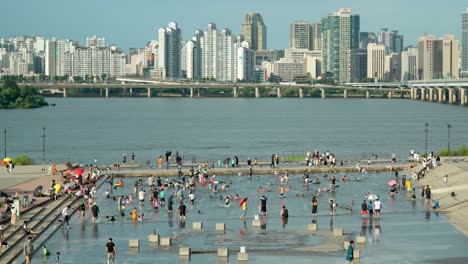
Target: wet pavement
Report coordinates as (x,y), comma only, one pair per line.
(408,231)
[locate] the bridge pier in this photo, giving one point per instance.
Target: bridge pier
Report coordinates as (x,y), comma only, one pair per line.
(367,94)
(440,95)
(100,92)
(235,92)
(191,92)
(450,95)
(323,93)
(423,94)
(107,92)
(278,92)
(131,92)
(148,92)
(414,93)
(431,94)
(301,92)
(462,95)
(65,93)
(345,93)
(257,92)
(124,91)
(390,95)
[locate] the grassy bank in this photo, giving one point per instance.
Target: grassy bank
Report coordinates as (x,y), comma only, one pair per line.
(460,151)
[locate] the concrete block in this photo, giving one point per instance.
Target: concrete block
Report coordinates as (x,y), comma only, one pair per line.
(220,227)
(356,254)
(165,241)
(312,227)
(256,223)
(338,231)
(345,245)
(223,260)
(256,217)
(197,225)
(223,252)
(153,238)
(242,250)
(242,257)
(185,251)
(134,243)
(361,239)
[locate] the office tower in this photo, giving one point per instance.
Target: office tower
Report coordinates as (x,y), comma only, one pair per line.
(366,38)
(95,42)
(392,40)
(316,30)
(375,61)
(358,65)
(409,65)
(340,36)
(450,57)
(170,39)
(464,44)
(429,58)
(300,36)
(254,31)
(392,67)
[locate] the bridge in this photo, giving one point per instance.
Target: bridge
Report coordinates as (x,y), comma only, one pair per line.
(127,84)
(442,91)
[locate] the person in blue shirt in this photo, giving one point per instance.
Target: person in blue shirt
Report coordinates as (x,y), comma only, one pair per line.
(350,253)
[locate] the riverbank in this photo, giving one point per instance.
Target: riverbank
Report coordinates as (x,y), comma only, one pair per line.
(454,207)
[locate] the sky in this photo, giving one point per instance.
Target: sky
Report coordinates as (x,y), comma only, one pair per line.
(133,23)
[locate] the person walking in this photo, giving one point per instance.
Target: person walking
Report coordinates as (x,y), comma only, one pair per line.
(350,253)
(182,211)
(95,211)
(66,217)
(263,208)
(364,209)
(314,207)
(28,250)
(110,249)
(377,207)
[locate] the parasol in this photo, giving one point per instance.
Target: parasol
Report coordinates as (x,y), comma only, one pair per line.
(78,171)
(392,183)
(7,159)
(243,201)
(372,197)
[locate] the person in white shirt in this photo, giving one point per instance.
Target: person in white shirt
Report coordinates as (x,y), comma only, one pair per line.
(191,197)
(141,197)
(66,216)
(377,206)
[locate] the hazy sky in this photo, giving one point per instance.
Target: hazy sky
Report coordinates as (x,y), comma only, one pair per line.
(132,23)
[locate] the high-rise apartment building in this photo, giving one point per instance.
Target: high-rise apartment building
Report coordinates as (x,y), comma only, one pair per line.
(169,57)
(95,42)
(254,31)
(340,36)
(300,36)
(54,56)
(316,30)
(392,40)
(464,44)
(409,65)
(197,54)
(375,61)
(245,62)
(450,57)
(209,45)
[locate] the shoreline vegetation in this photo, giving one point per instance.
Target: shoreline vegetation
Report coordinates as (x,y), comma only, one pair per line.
(460,151)
(14,97)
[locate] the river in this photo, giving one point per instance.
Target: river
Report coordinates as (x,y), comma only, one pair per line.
(81,129)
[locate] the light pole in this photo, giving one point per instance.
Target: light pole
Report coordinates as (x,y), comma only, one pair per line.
(43,148)
(426,130)
(449,126)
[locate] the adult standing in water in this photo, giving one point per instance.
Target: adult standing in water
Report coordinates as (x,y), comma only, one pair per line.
(133,157)
(314,207)
(124,158)
(28,250)
(110,249)
(263,208)
(182,211)
(95,211)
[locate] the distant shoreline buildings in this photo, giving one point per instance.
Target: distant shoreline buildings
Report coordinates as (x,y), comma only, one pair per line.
(332,50)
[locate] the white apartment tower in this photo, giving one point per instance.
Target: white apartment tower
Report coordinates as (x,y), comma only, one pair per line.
(95,42)
(409,65)
(169,56)
(210,52)
(464,44)
(375,61)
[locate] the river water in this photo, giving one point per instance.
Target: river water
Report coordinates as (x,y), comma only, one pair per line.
(81,129)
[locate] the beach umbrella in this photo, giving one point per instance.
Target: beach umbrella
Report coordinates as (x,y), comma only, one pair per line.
(372,197)
(392,183)
(7,159)
(78,171)
(243,201)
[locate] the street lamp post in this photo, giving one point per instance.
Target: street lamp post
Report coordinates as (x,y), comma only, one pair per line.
(4,143)
(426,130)
(449,126)
(43,147)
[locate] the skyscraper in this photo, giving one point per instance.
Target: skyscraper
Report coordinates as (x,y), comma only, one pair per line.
(450,57)
(340,35)
(375,61)
(464,46)
(96,42)
(300,36)
(209,51)
(255,31)
(409,65)
(429,58)
(392,40)
(169,56)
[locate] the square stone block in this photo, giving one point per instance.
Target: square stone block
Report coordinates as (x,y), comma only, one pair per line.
(165,241)
(345,245)
(256,217)
(256,223)
(153,238)
(338,231)
(197,225)
(220,227)
(134,243)
(242,250)
(223,252)
(242,257)
(185,251)
(356,253)
(361,239)
(312,227)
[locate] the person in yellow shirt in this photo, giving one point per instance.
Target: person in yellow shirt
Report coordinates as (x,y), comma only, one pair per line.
(281,191)
(160,162)
(244,210)
(408,185)
(134,214)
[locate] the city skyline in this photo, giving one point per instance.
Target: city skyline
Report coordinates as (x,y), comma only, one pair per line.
(130,25)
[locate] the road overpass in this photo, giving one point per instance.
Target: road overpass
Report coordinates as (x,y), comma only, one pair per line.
(127,86)
(442,91)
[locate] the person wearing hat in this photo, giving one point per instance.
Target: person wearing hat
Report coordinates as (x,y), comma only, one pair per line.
(110,250)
